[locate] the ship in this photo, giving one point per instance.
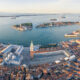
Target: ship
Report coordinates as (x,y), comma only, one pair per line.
(53,19)
(70,35)
(13,18)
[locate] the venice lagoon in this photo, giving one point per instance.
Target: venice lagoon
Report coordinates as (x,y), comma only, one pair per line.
(40,36)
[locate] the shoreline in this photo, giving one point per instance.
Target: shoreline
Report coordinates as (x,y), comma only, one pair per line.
(26,56)
(57,24)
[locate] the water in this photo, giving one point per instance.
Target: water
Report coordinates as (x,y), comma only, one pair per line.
(38,36)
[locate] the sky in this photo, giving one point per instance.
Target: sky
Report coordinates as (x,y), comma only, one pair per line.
(40,6)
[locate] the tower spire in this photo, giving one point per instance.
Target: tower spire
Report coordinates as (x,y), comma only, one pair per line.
(31,50)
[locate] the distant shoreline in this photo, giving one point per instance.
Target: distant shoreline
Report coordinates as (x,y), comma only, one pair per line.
(55,24)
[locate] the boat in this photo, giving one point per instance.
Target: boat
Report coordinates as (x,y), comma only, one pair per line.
(13,18)
(53,19)
(63,17)
(70,35)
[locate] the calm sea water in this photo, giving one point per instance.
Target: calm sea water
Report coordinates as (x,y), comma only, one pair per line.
(38,36)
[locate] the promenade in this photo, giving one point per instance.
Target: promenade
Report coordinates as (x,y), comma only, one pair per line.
(26,56)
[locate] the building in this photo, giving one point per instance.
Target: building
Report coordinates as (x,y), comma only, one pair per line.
(12,55)
(19,50)
(7,49)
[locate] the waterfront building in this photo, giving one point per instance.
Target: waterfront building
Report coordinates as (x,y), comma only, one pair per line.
(7,49)
(11,55)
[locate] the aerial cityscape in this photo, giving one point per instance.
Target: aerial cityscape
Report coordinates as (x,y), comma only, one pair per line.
(40,40)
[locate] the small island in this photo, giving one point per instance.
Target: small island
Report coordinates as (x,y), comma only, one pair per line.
(23,27)
(56,24)
(73,34)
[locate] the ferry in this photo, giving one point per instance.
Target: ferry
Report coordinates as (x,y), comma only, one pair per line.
(70,35)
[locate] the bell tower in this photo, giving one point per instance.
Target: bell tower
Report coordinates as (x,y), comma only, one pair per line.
(31,50)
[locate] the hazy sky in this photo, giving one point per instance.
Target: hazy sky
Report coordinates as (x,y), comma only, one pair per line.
(40,6)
